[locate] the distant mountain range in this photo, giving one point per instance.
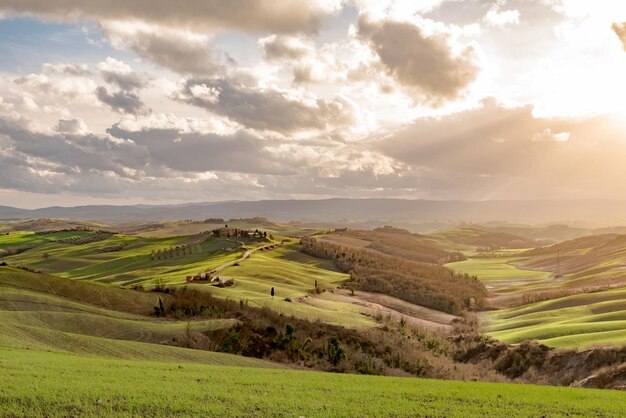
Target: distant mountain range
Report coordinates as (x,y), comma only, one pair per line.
(396,211)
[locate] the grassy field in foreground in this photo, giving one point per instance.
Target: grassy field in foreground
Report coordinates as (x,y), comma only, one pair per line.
(36,384)
(584,320)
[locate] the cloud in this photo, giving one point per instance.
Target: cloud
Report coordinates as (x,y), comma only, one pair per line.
(491,139)
(71,126)
(497,152)
(67,69)
(620,31)
(179,50)
(162,156)
(193,152)
(425,63)
(277,47)
(265,109)
(396,9)
(495,17)
(122,75)
(66,88)
(122,101)
(547,135)
(200,15)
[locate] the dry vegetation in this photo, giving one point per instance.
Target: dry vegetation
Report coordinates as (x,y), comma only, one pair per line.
(395,348)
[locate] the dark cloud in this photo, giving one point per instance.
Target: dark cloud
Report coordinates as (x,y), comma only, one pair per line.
(71,126)
(265,109)
(415,60)
(195,152)
(122,101)
(203,15)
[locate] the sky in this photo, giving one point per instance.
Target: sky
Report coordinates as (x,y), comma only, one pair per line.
(150,101)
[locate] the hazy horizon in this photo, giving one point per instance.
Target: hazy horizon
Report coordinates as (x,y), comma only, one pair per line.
(206,202)
(162,103)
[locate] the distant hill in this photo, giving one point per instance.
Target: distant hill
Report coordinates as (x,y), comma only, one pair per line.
(482,237)
(597,212)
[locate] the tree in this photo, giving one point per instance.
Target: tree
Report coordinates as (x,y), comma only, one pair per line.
(335,352)
(161,307)
(272,292)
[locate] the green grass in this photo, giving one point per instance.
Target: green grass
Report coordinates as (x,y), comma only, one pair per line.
(500,275)
(48,313)
(578,321)
(30,239)
(581,321)
(132,264)
(39,384)
(292,274)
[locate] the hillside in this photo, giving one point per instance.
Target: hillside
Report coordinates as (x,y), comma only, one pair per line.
(593,261)
(583,320)
(43,312)
(478,237)
(34,385)
(410,270)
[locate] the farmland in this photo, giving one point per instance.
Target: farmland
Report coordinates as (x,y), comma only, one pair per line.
(568,295)
(291,273)
(583,320)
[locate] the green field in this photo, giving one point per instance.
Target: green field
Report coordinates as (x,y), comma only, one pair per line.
(47,313)
(577,321)
(30,239)
(585,320)
(37,384)
(123,260)
(501,276)
(291,273)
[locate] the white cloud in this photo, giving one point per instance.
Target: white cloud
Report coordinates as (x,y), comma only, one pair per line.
(496,17)
(547,135)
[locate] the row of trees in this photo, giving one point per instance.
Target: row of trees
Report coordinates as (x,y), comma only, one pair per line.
(171,252)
